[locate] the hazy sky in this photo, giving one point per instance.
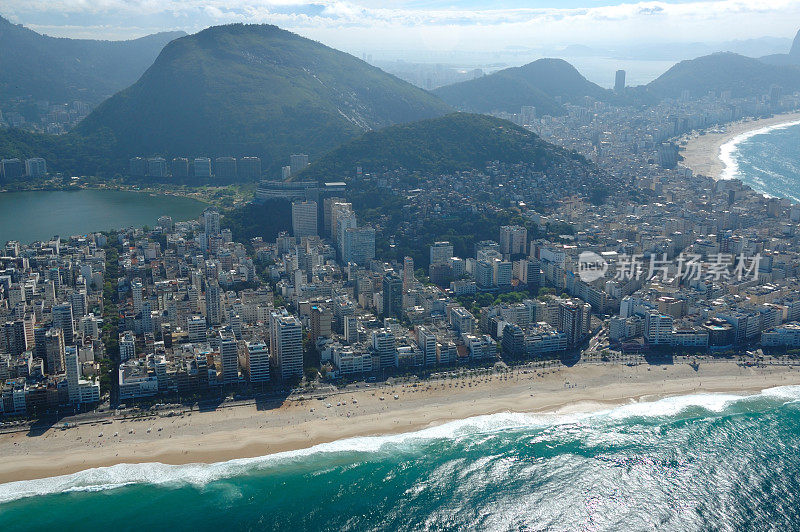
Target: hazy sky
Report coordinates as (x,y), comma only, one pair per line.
(467,25)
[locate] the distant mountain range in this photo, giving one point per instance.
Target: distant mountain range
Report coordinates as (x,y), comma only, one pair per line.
(545,84)
(792,58)
(743,76)
(549,83)
(244,90)
(456,142)
(60,70)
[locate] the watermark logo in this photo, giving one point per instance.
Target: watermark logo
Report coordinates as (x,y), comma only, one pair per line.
(686,267)
(591,266)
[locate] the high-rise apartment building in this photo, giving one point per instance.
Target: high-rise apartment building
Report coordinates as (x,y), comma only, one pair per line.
(180,167)
(304,218)
(257,362)
(619,81)
(383,345)
(202,167)
(156,167)
(513,240)
(213,304)
(35,167)
(392,295)
(249,168)
(229,356)
(327,214)
(358,245)
(441,252)
(62,319)
(298,162)
(54,351)
(286,344)
(408,274)
(225,168)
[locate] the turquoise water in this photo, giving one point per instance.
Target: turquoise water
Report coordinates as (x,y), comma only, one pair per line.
(700,462)
(767,159)
(38,215)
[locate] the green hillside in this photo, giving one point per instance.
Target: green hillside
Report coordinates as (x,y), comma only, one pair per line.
(540,84)
(743,76)
(458,141)
(62,70)
(254,90)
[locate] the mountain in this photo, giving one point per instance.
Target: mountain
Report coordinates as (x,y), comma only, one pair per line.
(743,76)
(455,142)
(254,90)
(62,70)
(792,58)
(539,84)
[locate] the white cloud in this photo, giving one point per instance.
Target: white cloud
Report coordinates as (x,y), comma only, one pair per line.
(350,23)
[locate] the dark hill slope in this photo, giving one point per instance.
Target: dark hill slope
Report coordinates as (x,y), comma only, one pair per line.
(539,84)
(254,90)
(459,141)
(743,76)
(62,70)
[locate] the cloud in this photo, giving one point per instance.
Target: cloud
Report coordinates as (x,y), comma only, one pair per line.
(345,22)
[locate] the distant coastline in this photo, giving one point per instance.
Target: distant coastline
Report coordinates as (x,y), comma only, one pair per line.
(711,154)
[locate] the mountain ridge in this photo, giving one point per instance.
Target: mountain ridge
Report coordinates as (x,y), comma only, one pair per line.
(451,143)
(59,69)
(545,84)
(723,71)
(254,90)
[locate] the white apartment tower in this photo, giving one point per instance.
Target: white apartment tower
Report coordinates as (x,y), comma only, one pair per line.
(229,356)
(211,221)
(286,344)
(257,362)
(137,291)
(73,376)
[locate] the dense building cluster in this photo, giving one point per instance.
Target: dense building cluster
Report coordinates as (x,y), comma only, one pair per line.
(663,259)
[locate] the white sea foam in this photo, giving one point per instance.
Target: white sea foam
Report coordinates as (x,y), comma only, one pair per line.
(105,478)
(728,151)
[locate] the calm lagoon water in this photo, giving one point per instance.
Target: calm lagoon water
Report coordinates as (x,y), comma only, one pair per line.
(38,215)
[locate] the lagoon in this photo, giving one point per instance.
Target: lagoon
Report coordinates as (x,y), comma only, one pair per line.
(38,215)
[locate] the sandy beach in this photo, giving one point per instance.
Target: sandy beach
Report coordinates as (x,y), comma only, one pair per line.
(702,153)
(246,431)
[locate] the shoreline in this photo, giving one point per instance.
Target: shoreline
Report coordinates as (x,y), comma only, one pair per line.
(246,432)
(703,154)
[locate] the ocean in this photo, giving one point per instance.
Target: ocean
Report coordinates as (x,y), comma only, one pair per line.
(696,462)
(767,159)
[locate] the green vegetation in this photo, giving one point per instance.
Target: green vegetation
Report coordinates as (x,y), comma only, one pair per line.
(258,219)
(456,142)
(253,90)
(63,70)
(743,76)
(537,84)
(70,154)
(110,332)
